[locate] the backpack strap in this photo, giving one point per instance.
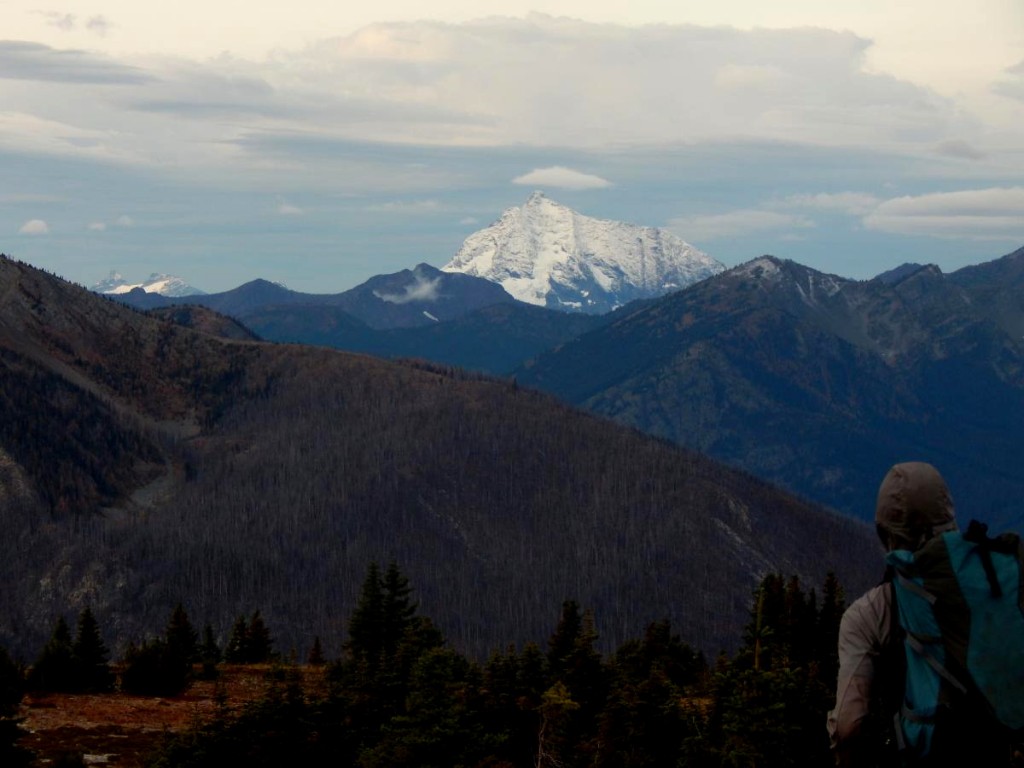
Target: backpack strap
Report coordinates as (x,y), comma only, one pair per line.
(977,533)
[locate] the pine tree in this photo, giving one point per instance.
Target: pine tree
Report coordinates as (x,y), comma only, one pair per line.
(182,639)
(55,668)
(260,645)
(365,642)
(209,651)
(90,655)
(12,688)
(316,654)
(398,608)
(237,649)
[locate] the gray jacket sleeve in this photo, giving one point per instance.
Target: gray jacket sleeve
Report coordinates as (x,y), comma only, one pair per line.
(863,633)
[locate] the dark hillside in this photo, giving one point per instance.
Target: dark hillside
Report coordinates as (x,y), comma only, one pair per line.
(816,382)
(241,475)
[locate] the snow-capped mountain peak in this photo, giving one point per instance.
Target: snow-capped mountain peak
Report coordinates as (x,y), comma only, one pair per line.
(547,254)
(165,285)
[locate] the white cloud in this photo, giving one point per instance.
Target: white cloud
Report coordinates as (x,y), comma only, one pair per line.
(287,209)
(980,214)
(97,226)
(745,76)
(959,148)
(469,221)
(737,223)
(852,203)
(124,221)
(562,178)
(406,206)
(34,227)
(421,289)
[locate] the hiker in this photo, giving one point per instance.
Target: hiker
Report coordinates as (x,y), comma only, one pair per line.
(913,505)
(931,661)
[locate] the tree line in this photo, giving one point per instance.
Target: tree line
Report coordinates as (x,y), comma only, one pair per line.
(399,695)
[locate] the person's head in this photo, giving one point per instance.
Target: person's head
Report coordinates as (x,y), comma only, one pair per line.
(914,505)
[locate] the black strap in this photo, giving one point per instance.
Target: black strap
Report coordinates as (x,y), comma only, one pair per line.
(977,533)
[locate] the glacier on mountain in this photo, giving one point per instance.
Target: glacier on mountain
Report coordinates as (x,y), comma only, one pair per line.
(165,285)
(547,254)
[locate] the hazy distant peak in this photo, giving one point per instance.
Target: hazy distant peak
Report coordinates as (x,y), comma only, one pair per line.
(547,254)
(162,284)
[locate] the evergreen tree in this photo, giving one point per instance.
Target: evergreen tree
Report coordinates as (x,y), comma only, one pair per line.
(12,688)
(90,655)
(154,669)
(365,642)
(237,649)
(209,651)
(316,654)
(55,668)
(398,608)
(182,639)
(833,604)
(259,645)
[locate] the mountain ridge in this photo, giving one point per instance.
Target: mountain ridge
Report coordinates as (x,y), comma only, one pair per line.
(236,474)
(815,382)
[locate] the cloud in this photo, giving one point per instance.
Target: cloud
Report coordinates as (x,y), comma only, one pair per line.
(562,178)
(421,289)
(124,221)
(287,209)
(469,221)
(959,148)
(1013,85)
(979,214)
(406,207)
(546,81)
(97,226)
(736,224)
(98,25)
(34,227)
(34,61)
(851,203)
(62,21)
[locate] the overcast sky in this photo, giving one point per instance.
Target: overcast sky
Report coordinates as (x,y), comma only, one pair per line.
(318,144)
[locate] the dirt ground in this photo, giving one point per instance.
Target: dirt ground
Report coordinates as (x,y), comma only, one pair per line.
(119,730)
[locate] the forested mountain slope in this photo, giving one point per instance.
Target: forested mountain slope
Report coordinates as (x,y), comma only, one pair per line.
(143,463)
(820,383)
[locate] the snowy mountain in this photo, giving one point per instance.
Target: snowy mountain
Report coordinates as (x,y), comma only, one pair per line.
(546,254)
(165,285)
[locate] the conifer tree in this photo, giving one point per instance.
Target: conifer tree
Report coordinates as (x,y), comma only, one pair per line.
(182,639)
(260,645)
(209,651)
(54,669)
(316,654)
(237,649)
(12,687)
(91,655)
(366,627)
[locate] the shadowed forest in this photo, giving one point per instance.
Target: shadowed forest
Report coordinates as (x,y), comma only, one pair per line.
(399,695)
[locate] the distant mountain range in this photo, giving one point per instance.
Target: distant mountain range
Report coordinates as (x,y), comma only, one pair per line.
(144,463)
(812,381)
(547,254)
(820,383)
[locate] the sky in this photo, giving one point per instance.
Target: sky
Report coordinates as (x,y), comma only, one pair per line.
(318,144)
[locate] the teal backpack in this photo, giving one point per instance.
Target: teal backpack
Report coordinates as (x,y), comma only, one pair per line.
(960,608)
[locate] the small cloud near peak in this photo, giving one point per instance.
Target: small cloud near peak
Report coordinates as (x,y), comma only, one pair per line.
(421,289)
(34,227)
(561,177)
